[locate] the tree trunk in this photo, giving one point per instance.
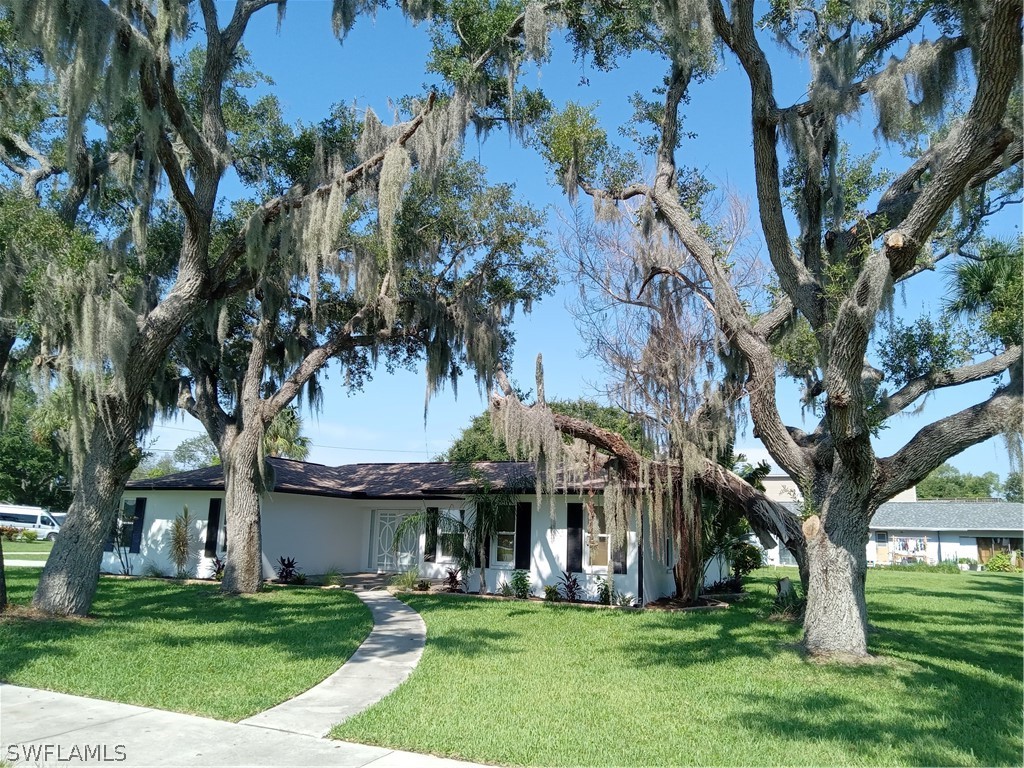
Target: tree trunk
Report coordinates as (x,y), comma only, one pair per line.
(243,571)
(835,623)
(69,579)
(688,572)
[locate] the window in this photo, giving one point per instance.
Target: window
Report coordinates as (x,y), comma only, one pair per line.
(125,525)
(505,537)
(881,537)
(597,540)
(449,535)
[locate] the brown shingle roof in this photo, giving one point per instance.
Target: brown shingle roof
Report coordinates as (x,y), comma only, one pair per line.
(372,481)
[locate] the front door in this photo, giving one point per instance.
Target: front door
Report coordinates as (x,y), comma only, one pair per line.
(391,559)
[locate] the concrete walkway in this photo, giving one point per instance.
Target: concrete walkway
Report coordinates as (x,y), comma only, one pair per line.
(385,659)
(24,563)
(42,728)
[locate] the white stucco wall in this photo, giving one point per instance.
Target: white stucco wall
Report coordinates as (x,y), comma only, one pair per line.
(547,555)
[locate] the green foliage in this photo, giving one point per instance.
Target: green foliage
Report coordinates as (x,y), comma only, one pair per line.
(332,578)
(552,594)
(577,148)
(520,584)
(284,436)
(1005,562)
(506,590)
(1012,490)
(746,558)
(182,543)
(33,469)
(927,346)
(406,580)
(990,290)
(946,566)
(9,532)
(947,482)
(478,442)
(195,453)
(605,591)
(29,536)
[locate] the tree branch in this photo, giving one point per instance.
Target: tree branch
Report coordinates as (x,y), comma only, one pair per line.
(940,379)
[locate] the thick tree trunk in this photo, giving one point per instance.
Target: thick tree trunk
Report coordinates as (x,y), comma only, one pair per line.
(836,622)
(243,486)
(68,583)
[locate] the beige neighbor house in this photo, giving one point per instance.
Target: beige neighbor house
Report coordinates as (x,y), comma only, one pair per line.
(932,531)
(345,518)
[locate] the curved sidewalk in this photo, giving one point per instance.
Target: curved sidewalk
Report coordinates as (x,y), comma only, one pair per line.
(386,658)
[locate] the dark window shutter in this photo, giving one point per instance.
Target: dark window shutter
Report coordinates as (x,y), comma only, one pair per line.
(574,538)
(524,522)
(430,546)
(619,555)
(212,528)
(108,546)
(137,525)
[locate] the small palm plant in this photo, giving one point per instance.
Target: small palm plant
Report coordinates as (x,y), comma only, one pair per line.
(181,545)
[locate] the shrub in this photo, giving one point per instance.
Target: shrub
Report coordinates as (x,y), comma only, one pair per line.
(551,593)
(181,545)
(9,532)
(29,536)
(789,603)
(506,590)
(453,581)
(423,585)
(726,586)
(947,566)
(333,578)
(406,580)
(217,569)
(1004,562)
(299,578)
(967,561)
(287,569)
(746,558)
(605,591)
(520,584)
(570,587)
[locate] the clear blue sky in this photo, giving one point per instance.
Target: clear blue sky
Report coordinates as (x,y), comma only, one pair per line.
(384,59)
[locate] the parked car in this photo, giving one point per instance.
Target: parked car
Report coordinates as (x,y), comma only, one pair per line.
(30,519)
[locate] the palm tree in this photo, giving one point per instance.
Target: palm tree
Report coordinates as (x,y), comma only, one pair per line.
(284,436)
(989,288)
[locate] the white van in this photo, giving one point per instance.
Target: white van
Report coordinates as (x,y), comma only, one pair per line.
(29,519)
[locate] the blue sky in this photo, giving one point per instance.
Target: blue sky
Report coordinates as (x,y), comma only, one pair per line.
(384,59)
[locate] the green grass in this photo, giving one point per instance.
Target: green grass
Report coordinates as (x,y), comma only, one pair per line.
(528,684)
(183,647)
(23,550)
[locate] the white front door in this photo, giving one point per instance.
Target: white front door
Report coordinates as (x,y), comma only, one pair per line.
(390,558)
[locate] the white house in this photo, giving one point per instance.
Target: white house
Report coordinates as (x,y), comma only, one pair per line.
(932,531)
(345,518)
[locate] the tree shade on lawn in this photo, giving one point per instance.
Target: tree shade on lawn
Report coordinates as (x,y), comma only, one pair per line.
(579,686)
(183,647)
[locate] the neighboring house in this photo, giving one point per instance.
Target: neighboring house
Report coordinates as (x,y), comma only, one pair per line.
(932,531)
(935,531)
(344,518)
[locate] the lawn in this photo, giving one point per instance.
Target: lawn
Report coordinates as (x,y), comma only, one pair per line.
(529,683)
(184,647)
(23,550)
